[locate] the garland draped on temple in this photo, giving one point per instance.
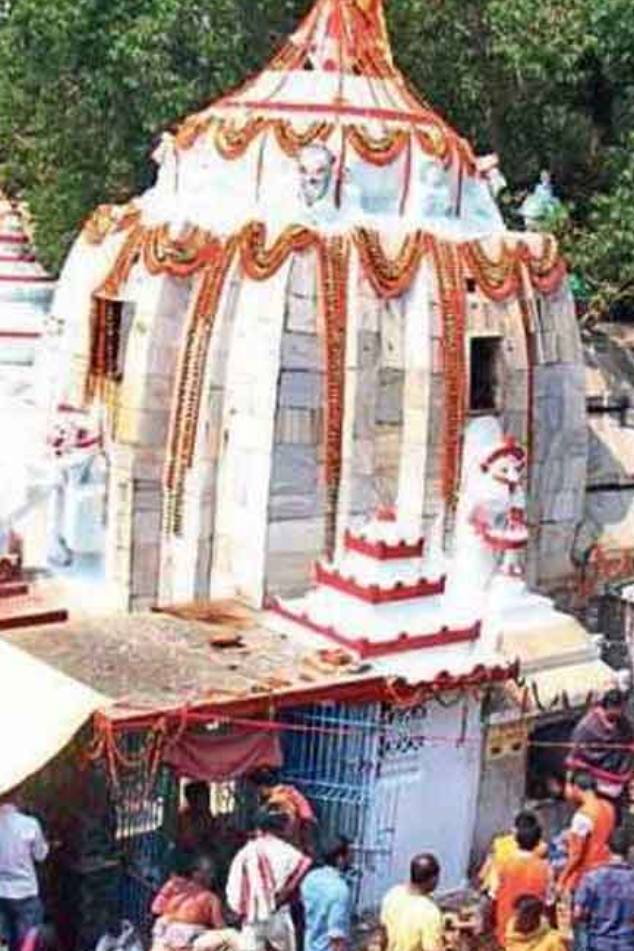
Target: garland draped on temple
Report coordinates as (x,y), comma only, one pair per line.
(210,258)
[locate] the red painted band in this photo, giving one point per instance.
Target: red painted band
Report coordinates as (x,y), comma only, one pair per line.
(365,648)
(383,551)
(373,594)
(395,115)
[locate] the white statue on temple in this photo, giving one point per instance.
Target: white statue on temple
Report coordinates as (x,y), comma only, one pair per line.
(490,530)
(540,203)
(77,501)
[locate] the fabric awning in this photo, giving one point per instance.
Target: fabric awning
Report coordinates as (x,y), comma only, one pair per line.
(40,711)
(221,758)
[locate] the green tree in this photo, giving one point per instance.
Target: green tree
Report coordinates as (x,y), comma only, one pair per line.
(85,85)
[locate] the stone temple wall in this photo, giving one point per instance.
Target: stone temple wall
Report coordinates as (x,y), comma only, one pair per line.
(255,498)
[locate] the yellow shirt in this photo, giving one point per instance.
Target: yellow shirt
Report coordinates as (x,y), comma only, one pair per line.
(413,922)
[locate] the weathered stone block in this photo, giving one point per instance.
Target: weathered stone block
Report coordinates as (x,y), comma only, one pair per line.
(390,398)
(392,336)
(301,389)
(300,426)
(301,315)
(301,351)
(302,279)
(295,470)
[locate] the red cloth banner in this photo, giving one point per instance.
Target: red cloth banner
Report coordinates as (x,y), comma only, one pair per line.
(211,758)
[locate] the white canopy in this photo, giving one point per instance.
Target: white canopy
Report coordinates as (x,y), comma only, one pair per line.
(40,711)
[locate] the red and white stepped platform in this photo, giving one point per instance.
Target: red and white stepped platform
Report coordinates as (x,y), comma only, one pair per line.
(23,604)
(383,596)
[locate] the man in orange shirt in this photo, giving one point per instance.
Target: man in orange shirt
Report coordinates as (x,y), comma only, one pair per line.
(589,833)
(525,872)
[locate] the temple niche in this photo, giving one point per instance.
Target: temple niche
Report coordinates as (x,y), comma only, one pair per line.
(299,320)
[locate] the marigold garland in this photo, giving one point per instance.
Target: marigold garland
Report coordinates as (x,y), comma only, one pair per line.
(333,272)
(498,278)
(189,383)
(291,142)
(109,219)
(259,262)
(377,150)
(450,276)
(232,140)
(390,277)
(179,256)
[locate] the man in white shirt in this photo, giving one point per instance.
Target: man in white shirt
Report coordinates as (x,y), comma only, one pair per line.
(22,845)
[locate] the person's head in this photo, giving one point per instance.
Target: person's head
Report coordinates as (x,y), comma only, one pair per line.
(526,818)
(271,822)
(263,779)
(197,797)
(612,704)
(620,842)
(528,836)
(203,871)
(424,872)
(335,850)
(580,784)
(528,913)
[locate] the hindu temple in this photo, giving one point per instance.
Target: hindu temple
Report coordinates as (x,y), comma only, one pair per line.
(326,383)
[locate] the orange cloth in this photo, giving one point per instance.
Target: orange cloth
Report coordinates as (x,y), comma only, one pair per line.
(290,800)
(188,903)
(588,851)
(523,874)
(503,848)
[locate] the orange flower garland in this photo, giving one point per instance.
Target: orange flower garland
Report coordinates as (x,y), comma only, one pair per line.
(108,219)
(189,383)
(390,277)
(449,271)
(382,150)
(498,279)
(333,272)
(259,262)
(232,140)
(291,141)
(179,256)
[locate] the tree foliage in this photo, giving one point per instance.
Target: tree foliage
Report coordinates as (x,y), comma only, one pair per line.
(86,84)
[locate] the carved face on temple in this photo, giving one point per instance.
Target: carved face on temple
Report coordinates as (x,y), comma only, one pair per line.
(315,164)
(506,465)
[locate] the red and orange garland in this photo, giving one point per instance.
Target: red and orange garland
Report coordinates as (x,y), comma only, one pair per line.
(109,219)
(198,252)
(233,138)
(333,274)
(190,379)
(450,276)
(390,277)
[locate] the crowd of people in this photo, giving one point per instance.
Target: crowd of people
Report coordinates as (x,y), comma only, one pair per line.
(283,885)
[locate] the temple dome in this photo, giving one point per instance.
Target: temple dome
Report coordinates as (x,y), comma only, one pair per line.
(295,324)
(333,85)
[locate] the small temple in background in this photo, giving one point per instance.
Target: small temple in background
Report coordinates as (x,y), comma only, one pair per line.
(26,289)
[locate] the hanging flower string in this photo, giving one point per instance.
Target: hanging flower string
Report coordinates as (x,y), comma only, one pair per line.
(450,276)
(195,252)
